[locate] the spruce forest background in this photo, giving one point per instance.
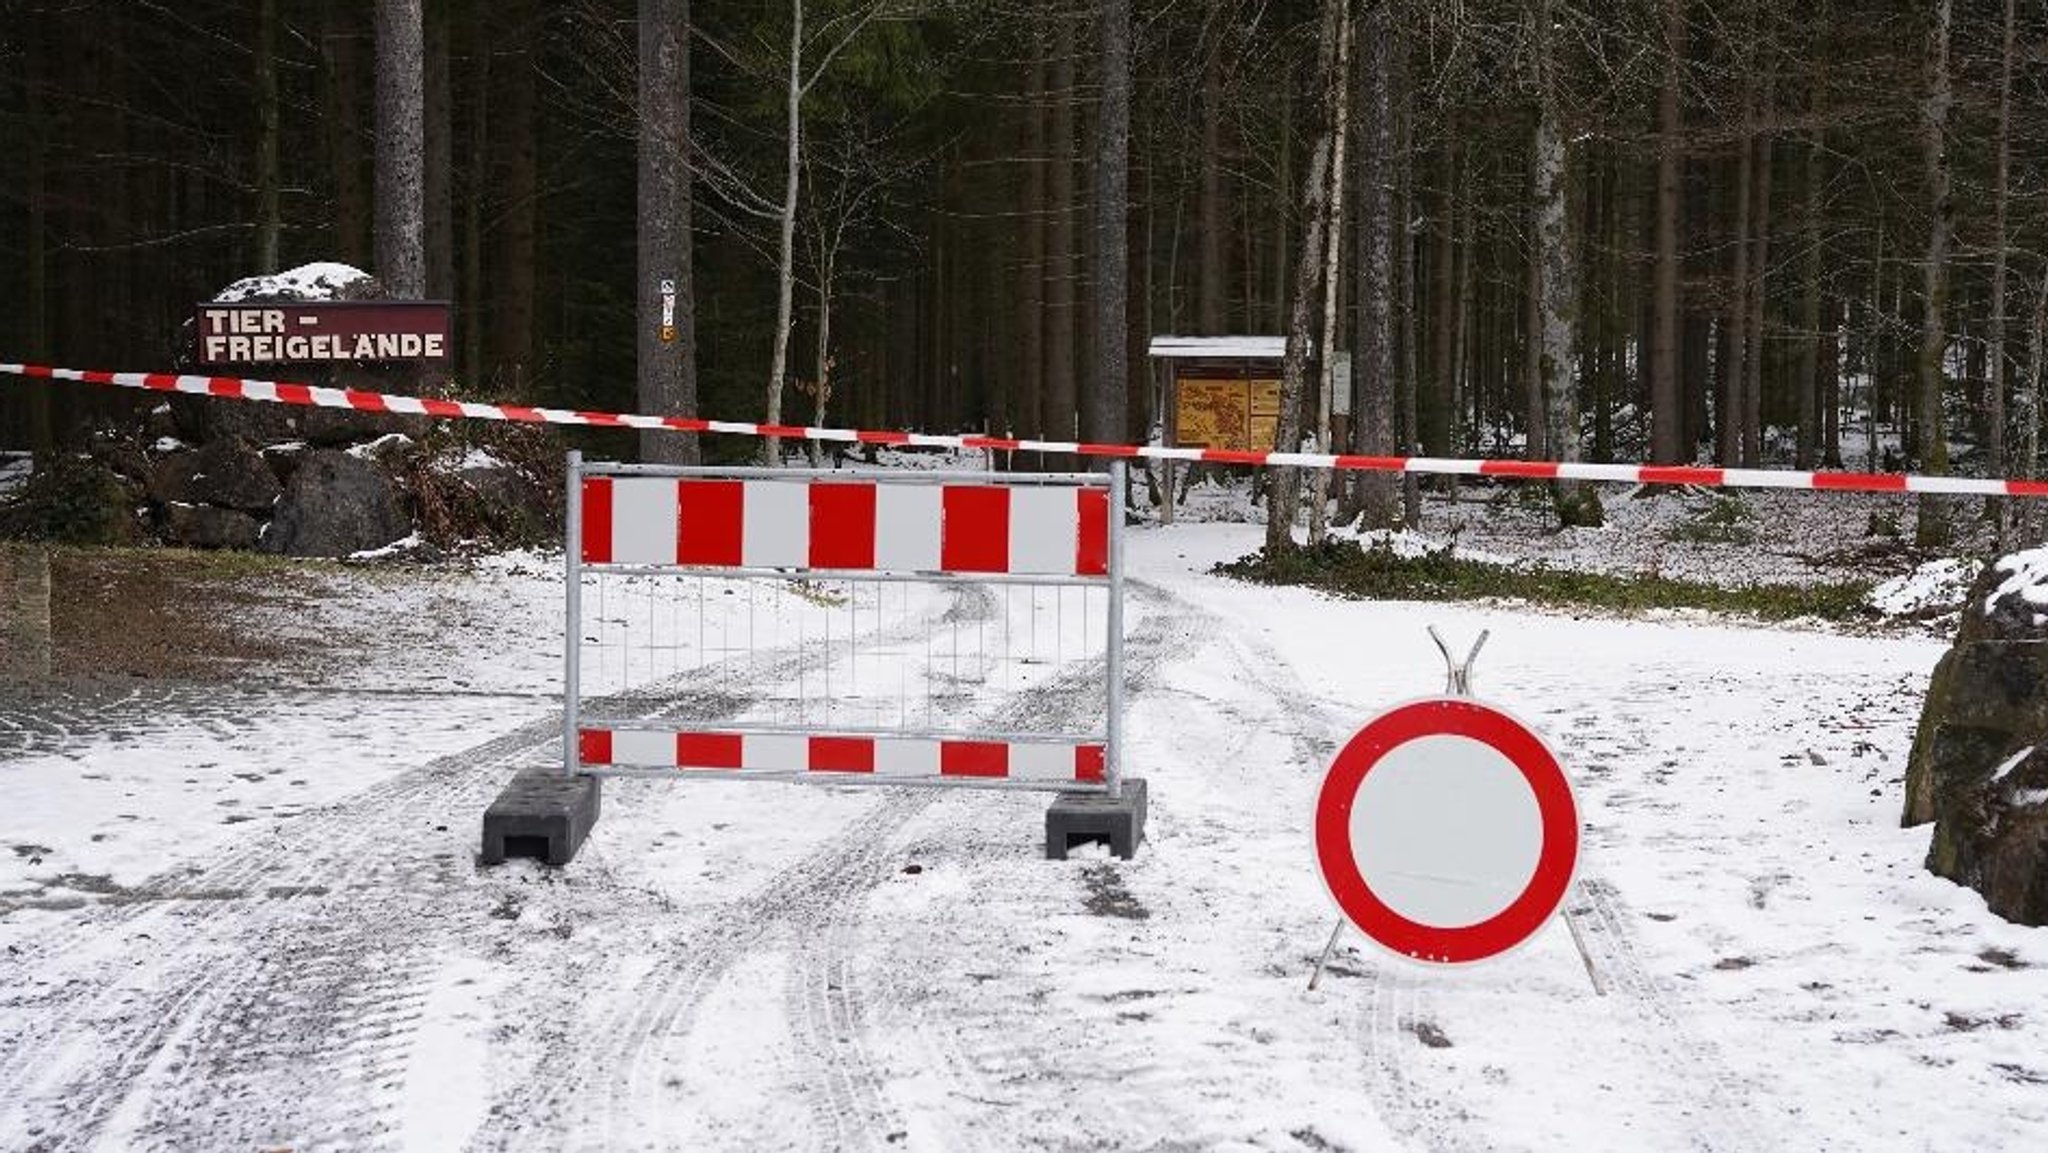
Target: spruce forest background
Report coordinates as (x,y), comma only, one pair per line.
(1769,217)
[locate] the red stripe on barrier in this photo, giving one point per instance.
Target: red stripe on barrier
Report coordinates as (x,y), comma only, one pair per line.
(303,394)
(224,386)
(594,746)
(41,370)
(527,415)
(710,522)
(996,442)
(160,381)
(597,520)
(792,431)
(710,750)
(2027,487)
(1091,549)
(1233,456)
(882,437)
(974,533)
(685,424)
(437,407)
(605,419)
(1108,449)
(1532,469)
(1374,463)
(1088,763)
(1859,481)
(842,754)
(1672,474)
(974,759)
(366,401)
(843,526)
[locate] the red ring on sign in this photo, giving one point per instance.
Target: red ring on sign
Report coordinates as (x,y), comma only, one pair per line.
(1555,861)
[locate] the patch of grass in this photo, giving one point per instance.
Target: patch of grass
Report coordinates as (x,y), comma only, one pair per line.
(1725,520)
(1379,573)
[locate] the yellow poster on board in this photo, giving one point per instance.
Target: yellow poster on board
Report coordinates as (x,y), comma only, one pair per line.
(1228,413)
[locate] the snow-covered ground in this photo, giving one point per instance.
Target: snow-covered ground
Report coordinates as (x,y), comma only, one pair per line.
(768,966)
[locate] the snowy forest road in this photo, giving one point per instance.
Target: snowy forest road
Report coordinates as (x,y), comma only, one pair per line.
(768,967)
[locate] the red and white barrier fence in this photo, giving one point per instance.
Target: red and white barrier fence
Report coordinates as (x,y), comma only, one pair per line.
(898,759)
(283,392)
(1044,536)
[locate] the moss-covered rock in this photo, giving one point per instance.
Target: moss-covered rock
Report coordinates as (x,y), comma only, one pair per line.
(1979,765)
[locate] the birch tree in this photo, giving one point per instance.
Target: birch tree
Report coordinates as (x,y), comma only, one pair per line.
(1284,493)
(1558,321)
(829,40)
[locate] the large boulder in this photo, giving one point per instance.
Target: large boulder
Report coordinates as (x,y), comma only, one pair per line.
(337,504)
(1979,765)
(204,526)
(228,473)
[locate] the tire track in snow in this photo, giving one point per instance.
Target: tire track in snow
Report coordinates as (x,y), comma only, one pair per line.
(829,1003)
(356,888)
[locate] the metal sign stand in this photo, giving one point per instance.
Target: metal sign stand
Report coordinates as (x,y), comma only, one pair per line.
(1458,683)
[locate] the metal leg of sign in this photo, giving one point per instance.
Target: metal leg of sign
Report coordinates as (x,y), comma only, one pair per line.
(1330,946)
(1458,675)
(1579,942)
(1458,683)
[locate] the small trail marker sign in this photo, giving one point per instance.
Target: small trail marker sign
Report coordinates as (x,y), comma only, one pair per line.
(1447,831)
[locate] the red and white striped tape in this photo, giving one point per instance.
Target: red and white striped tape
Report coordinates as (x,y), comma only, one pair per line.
(910,758)
(847,525)
(287,393)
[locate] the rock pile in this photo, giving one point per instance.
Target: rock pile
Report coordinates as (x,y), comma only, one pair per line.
(208,473)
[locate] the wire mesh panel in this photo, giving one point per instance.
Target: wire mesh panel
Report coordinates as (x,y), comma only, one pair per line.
(903,628)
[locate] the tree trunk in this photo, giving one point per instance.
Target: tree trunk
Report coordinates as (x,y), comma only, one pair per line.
(1372,366)
(1994,400)
(1211,276)
(1759,264)
(1060,394)
(1284,491)
(785,267)
(1333,233)
(1029,398)
(1933,527)
(2030,403)
(36,260)
(1110,382)
(440,156)
(471,320)
(1808,386)
(1734,373)
(666,315)
(517,166)
(269,221)
(1665,403)
(401,149)
(1577,503)
(342,49)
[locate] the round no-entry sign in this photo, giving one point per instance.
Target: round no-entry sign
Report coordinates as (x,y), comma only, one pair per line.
(1447,831)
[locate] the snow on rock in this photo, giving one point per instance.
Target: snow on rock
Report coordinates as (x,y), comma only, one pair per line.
(2012,763)
(1934,588)
(322,280)
(14,470)
(472,459)
(396,548)
(2027,579)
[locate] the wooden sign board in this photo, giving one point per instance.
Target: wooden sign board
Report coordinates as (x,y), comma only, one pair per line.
(321,333)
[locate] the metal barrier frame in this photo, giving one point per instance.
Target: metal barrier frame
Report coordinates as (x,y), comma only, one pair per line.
(1115,481)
